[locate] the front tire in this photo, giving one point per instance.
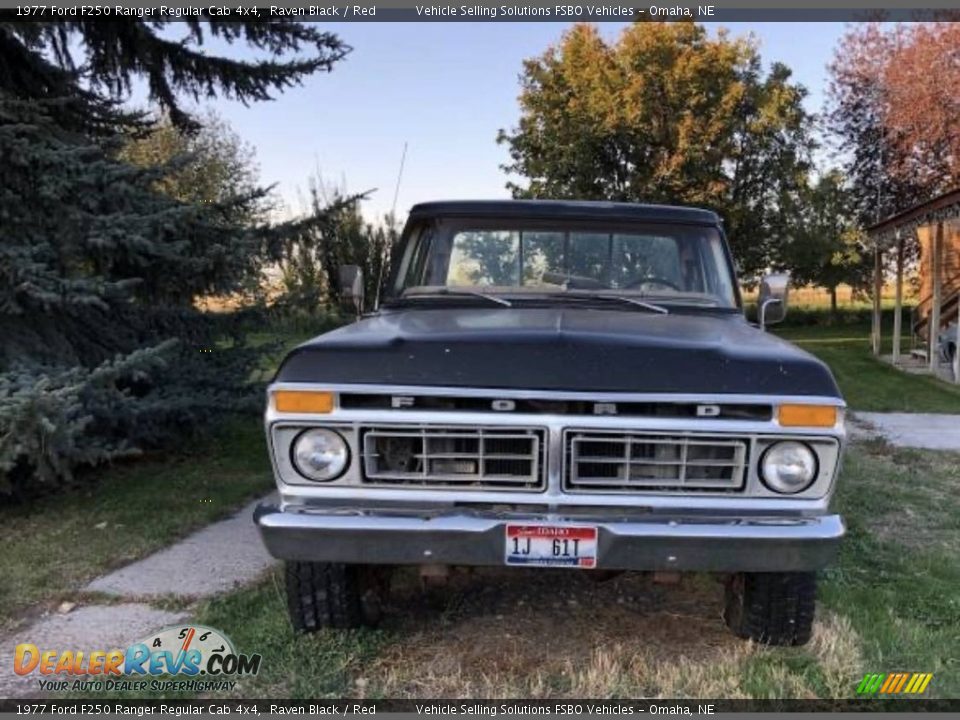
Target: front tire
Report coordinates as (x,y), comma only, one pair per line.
(332,595)
(772,608)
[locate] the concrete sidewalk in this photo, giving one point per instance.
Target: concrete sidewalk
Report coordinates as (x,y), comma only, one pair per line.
(219,557)
(926,431)
(213,560)
(96,627)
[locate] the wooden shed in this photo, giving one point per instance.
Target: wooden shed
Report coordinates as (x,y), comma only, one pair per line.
(949,269)
(934,228)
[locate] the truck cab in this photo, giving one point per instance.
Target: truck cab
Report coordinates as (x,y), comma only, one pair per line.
(557,384)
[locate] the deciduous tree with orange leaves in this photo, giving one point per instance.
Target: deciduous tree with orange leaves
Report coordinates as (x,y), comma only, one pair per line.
(895,113)
(668,112)
(922,80)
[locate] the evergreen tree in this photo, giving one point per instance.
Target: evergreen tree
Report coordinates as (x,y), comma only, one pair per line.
(38,61)
(101,263)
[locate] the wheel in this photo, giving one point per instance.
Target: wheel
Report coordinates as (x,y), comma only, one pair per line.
(333,595)
(771,608)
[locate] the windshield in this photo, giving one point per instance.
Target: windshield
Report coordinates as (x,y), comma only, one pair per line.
(680,263)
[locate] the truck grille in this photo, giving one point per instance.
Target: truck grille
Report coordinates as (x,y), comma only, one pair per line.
(628,462)
(504,459)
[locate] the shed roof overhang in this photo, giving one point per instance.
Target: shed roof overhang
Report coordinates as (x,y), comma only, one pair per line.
(941,208)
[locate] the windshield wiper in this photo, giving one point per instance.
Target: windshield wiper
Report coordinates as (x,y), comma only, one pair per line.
(463,293)
(619,298)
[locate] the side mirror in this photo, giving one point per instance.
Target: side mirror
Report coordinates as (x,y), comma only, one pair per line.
(351,289)
(772,300)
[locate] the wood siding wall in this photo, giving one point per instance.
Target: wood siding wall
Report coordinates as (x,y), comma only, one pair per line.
(950,267)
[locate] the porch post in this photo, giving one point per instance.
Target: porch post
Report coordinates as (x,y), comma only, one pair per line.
(956,349)
(898,302)
(933,329)
(877,291)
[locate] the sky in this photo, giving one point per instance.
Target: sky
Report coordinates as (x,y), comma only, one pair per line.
(444,89)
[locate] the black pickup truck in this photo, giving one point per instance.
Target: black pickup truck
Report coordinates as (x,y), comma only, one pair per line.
(557,384)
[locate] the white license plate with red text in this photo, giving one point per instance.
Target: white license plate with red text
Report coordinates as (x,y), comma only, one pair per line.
(551,546)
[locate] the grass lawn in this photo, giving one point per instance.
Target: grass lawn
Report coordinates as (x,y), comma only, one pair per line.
(53,546)
(868,383)
(889,604)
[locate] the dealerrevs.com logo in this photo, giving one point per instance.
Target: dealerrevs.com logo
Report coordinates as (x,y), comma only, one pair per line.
(187,657)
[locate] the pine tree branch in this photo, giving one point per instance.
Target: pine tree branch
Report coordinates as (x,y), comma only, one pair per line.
(118,51)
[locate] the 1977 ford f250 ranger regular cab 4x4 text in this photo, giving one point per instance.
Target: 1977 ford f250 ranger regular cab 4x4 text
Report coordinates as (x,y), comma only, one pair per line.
(557,384)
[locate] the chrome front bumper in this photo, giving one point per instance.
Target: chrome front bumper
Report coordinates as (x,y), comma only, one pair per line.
(462,536)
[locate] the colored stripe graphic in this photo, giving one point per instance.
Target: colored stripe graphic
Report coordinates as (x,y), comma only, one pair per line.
(915,681)
(866,685)
(894,683)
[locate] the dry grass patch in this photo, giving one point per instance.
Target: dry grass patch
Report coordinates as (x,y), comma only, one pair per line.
(836,646)
(555,634)
(559,634)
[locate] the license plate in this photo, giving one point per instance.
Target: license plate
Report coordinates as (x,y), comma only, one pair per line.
(551,545)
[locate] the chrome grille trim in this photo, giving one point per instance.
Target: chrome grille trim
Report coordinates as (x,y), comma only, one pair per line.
(598,461)
(455,457)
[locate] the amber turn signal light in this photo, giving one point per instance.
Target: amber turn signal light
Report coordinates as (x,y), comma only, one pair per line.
(302,401)
(807,415)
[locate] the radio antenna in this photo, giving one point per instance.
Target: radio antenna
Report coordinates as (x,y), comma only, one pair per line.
(396,190)
(393,215)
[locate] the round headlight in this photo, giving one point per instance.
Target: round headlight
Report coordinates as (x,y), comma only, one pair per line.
(788,467)
(320,454)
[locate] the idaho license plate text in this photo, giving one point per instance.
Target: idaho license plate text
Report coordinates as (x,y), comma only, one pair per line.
(551,545)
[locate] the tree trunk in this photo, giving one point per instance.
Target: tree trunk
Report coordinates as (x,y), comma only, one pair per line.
(833,301)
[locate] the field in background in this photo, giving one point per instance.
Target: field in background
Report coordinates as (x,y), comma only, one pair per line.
(817,298)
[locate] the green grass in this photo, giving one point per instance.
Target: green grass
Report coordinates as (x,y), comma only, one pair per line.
(321,665)
(54,545)
(899,572)
(889,604)
(866,382)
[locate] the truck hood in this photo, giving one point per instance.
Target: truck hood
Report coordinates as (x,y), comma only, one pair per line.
(560,349)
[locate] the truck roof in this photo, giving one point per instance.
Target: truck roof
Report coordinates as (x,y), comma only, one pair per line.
(568,209)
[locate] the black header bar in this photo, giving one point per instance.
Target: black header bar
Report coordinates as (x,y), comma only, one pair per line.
(490,10)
